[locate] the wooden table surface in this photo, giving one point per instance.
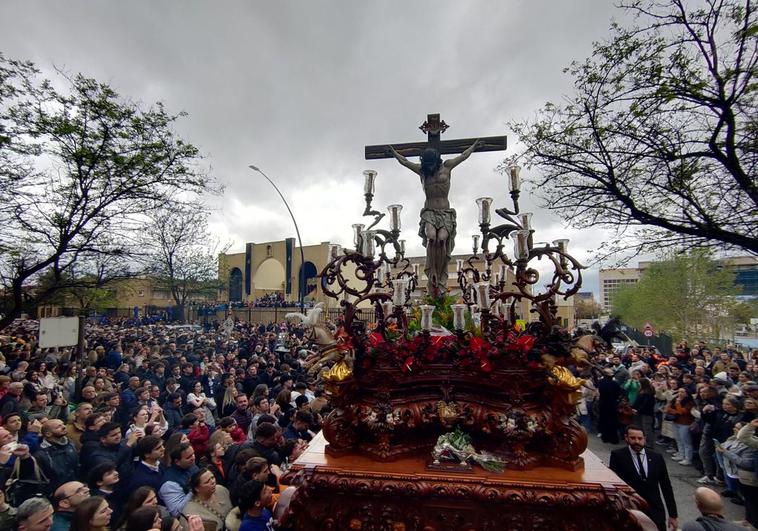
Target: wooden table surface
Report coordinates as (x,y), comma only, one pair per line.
(414,468)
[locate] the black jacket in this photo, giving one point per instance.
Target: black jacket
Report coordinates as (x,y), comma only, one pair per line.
(59,461)
(645,404)
(657,475)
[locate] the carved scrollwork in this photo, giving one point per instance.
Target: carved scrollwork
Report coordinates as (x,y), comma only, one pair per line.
(383,502)
(339,428)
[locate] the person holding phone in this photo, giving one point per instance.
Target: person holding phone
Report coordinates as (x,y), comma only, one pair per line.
(740,457)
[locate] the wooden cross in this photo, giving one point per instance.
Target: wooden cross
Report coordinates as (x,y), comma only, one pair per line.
(434,127)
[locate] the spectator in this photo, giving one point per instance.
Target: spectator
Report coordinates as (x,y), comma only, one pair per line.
(176,479)
(744,457)
(103,480)
(209,501)
(112,447)
(144,519)
(148,470)
(142,497)
(298,428)
(172,410)
(7,513)
(681,409)
(35,514)
(93,514)
(75,427)
(709,504)
(254,507)
(57,456)
(67,497)
(609,395)
(644,411)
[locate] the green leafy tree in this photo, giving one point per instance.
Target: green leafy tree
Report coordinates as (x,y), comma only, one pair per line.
(80,169)
(743,312)
(689,296)
(659,141)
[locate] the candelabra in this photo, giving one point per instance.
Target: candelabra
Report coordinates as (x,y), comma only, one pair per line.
(395,391)
(376,254)
(483,278)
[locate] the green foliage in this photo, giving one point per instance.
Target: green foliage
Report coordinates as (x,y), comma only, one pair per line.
(443,312)
(743,312)
(442,316)
(80,169)
(689,296)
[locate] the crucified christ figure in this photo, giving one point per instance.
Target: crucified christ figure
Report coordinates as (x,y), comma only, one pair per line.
(437,225)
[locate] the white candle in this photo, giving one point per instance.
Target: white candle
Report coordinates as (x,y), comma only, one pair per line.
(525,218)
(459,316)
(394,211)
(368,183)
(368,243)
(426,316)
(483,294)
(484,204)
(399,285)
(334,251)
(515,180)
(520,244)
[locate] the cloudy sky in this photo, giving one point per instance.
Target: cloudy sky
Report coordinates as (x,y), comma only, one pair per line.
(298,88)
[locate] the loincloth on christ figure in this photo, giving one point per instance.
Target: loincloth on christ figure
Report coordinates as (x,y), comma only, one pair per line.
(439,219)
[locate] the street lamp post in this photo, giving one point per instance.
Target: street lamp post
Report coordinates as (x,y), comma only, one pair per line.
(301,290)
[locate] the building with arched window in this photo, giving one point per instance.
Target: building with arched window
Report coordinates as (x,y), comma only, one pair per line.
(273,269)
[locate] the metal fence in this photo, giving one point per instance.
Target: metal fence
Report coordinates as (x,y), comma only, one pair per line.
(275,315)
(664,343)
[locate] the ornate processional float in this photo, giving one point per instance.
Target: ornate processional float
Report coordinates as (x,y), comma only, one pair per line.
(439,405)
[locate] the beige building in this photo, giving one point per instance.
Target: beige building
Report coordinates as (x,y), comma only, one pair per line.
(273,268)
(142,293)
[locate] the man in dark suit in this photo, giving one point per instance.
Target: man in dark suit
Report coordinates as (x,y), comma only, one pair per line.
(645,471)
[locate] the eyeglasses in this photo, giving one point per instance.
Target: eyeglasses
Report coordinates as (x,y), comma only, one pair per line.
(84,489)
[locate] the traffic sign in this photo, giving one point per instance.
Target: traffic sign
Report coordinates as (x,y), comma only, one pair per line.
(648,332)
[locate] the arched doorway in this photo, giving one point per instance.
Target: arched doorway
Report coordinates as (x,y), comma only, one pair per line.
(307,273)
(270,276)
(235,285)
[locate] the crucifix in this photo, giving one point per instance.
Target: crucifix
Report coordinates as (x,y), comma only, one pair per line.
(438,222)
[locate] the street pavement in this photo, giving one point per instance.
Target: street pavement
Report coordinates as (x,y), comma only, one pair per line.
(683,481)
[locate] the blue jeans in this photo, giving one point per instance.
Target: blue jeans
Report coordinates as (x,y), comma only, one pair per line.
(684,441)
(586,422)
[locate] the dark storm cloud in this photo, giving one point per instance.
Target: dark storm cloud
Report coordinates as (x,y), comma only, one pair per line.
(299,87)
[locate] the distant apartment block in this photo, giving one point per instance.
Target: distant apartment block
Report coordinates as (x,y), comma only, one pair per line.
(611,280)
(745,268)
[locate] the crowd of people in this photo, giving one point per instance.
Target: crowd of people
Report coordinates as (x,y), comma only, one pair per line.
(162,427)
(275,300)
(157,427)
(700,405)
